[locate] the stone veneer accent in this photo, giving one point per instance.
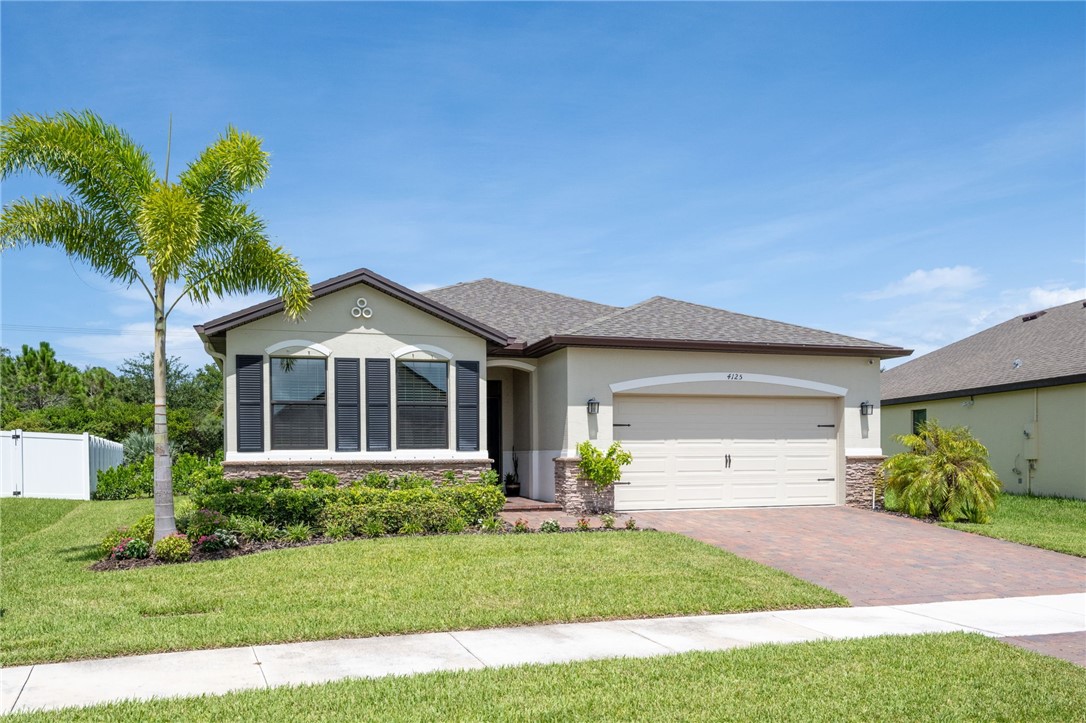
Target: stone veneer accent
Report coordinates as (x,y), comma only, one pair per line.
(353,470)
(860,475)
(577,495)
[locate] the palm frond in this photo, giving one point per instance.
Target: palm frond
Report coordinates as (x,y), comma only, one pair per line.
(101,165)
(106,246)
(234,164)
(169,220)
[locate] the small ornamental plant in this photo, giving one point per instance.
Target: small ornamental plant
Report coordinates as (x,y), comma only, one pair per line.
(608,521)
(131,548)
(492,524)
(550,526)
(582,524)
(521,525)
(298,533)
(173,548)
(204,522)
(631,523)
(216,541)
(602,469)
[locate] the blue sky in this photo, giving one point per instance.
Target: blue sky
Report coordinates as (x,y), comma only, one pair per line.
(910,173)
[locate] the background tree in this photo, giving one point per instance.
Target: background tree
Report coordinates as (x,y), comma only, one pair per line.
(36,379)
(196,234)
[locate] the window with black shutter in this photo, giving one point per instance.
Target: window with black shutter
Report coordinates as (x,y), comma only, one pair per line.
(422,405)
(348,413)
(249,381)
(467,406)
(299,403)
(378,405)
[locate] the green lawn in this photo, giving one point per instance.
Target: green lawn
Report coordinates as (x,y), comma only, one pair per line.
(20,517)
(932,677)
(1049,522)
(57,609)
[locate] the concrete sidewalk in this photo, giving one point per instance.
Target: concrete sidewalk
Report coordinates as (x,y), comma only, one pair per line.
(88,682)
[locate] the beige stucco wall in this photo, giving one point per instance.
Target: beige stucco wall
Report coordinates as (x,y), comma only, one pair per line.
(592,372)
(595,373)
(393,326)
(1055,418)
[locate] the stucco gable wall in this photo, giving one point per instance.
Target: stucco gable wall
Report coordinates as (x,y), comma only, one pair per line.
(592,372)
(1054,417)
(329,323)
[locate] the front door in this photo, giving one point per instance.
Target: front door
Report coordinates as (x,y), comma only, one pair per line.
(494,424)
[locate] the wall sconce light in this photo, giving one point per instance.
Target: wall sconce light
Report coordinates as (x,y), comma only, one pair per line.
(867,409)
(593,406)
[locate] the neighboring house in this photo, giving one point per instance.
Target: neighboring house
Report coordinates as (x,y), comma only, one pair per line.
(1019,386)
(719,409)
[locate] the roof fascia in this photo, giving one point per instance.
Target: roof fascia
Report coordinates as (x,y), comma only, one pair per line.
(558,341)
(992,389)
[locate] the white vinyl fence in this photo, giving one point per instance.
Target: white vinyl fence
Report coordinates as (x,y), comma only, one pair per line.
(58,466)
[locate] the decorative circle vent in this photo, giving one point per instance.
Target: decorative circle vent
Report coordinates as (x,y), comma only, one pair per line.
(361,310)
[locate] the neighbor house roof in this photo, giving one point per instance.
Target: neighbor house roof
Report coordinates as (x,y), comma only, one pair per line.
(1044,348)
(521,320)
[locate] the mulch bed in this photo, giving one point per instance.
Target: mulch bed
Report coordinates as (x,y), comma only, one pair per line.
(250,548)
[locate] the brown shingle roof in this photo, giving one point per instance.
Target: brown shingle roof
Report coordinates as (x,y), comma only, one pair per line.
(520,311)
(664,318)
(1049,348)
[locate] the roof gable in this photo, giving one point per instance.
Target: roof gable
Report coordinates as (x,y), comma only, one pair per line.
(1028,350)
(218,327)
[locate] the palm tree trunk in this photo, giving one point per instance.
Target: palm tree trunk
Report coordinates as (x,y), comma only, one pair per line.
(164,520)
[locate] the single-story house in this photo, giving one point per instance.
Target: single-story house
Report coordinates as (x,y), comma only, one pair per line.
(719,409)
(1020,387)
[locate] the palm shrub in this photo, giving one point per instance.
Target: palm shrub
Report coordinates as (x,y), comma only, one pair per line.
(944,473)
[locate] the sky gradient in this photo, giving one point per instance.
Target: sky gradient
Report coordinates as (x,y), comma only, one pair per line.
(908,173)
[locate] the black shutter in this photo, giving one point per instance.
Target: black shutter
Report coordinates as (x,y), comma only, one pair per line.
(467,406)
(249,381)
(348,414)
(378,405)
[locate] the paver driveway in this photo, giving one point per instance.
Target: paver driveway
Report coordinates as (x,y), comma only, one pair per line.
(878,559)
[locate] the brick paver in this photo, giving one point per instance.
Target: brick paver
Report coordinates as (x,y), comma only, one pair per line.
(878,559)
(1069,646)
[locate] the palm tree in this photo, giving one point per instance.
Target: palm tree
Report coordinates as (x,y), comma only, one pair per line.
(124,221)
(945,473)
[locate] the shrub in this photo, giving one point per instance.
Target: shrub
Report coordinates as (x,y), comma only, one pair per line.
(126,481)
(337,531)
(372,525)
(582,524)
(449,477)
(111,540)
(138,444)
(174,548)
(379,480)
(631,523)
(492,524)
(248,497)
(550,526)
(411,481)
(476,502)
(489,477)
(298,533)
(411,528)
(130,548)
(437,515)
(521,525)
(945,473)
(183,510)
(608,521)
(144,528)
(203,522)
(190,471)
(217,540)
(295,506)
(253,529)
(602,469)
(319,479)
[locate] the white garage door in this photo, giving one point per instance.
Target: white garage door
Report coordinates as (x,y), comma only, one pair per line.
(726,452)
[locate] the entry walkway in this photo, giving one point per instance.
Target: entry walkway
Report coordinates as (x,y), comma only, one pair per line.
(89,682)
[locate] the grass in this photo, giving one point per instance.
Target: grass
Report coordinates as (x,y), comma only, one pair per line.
(1053,523)
(57,609)
(953,676)
(20,517)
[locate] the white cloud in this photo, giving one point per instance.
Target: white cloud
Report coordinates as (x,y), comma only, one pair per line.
(421,288)
(1043,298)
(953,280)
